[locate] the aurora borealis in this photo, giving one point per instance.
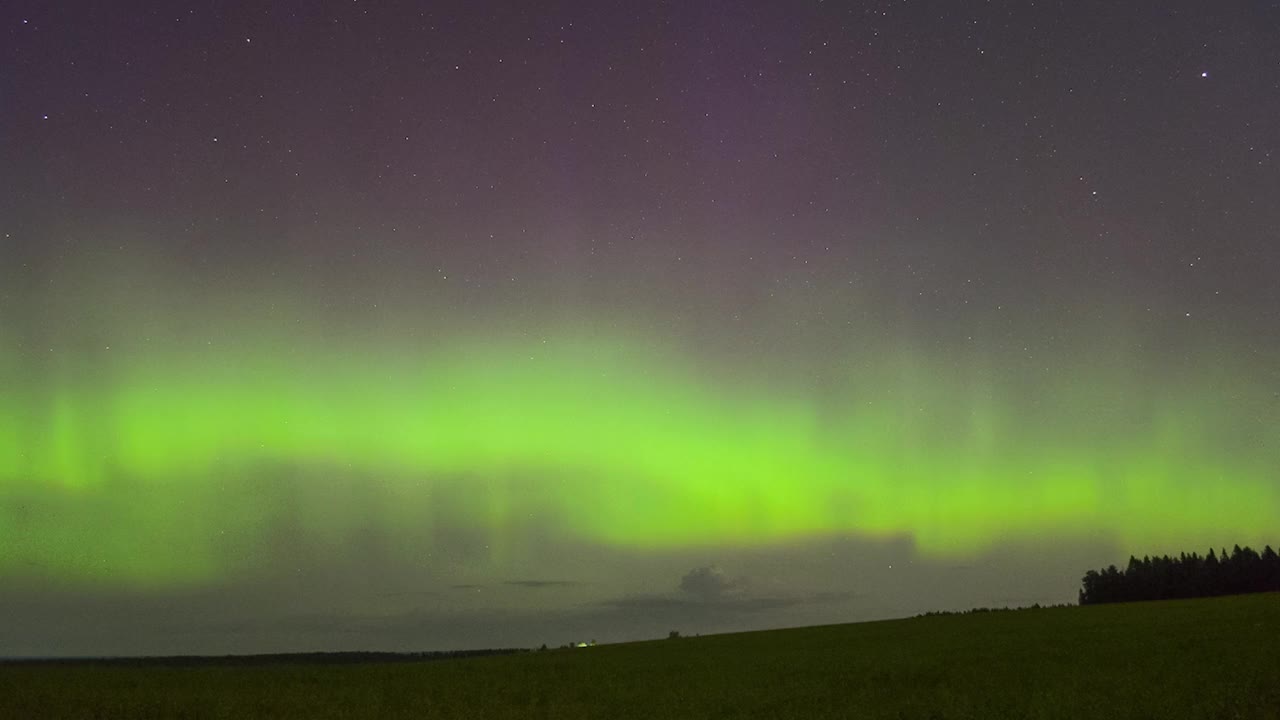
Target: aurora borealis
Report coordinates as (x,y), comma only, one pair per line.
(477,318)
(628,448)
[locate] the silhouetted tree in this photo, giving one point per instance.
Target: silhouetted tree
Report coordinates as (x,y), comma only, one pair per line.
(1270,566)
(1242,571)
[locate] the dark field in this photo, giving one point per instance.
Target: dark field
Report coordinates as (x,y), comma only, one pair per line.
(1214,658)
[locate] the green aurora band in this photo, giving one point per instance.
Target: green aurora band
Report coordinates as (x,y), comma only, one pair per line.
(163,469)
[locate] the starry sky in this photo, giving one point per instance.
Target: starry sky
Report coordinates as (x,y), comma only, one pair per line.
(402,326)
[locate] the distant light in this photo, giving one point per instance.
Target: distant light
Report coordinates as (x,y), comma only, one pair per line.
(1204,74)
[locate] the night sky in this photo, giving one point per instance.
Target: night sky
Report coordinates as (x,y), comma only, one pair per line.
(391,326)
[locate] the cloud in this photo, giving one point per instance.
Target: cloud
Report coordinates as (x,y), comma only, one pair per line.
(662,603)
(537,584)
(710,583)
(726,605)
(707,591)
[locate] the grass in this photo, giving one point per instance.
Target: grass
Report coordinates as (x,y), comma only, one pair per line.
(1211,658)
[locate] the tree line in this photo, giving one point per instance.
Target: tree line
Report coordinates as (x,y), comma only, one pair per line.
(1186,576)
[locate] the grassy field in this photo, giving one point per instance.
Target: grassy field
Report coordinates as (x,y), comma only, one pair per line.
(1213,658)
